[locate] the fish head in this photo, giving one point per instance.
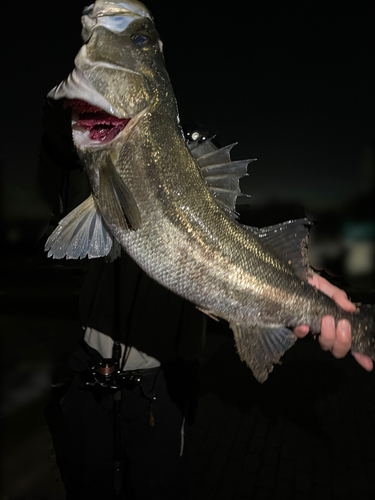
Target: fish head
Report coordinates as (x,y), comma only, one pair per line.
(119,72)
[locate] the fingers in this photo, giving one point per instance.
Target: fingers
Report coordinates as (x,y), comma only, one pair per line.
(364,361)
(335,293)
(301,331)
(338,341)
(335,339)
(341,299)
(327,336)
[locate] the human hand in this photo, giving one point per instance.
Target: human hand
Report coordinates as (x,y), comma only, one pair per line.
(335,338)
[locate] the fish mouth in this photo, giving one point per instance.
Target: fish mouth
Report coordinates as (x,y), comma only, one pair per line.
(93,126)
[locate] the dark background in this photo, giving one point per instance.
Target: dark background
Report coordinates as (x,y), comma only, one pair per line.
(292,82)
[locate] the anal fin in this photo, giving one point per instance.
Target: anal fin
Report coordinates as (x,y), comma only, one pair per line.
(262,347)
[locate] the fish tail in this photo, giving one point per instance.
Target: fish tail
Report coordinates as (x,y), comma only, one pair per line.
(363,331)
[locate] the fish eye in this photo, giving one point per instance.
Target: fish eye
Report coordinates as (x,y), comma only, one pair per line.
(140,41)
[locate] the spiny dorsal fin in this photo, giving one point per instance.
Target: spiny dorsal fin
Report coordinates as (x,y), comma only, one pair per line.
(262,347)
(220,172)
(200,148)
(215,156)
(82,233)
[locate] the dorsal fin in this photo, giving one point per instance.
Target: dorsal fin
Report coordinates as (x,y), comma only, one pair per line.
(220,172)
(198,149)
(289,242)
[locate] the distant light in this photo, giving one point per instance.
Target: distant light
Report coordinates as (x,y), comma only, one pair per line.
(360,258)
(195,136)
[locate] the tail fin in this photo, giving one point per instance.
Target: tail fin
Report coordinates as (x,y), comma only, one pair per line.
(363,331)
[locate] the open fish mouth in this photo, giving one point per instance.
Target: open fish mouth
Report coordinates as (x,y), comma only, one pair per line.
(93,126)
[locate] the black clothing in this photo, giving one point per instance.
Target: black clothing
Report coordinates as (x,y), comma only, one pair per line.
(153,463)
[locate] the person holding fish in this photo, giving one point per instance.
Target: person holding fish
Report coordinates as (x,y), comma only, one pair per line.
(87,467)
(167,207)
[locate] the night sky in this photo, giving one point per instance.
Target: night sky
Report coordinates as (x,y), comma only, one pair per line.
(292,82)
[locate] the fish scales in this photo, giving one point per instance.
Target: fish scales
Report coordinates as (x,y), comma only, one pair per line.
(206,244)
(150,194)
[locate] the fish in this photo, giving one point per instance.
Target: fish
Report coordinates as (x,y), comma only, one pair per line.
(171,205)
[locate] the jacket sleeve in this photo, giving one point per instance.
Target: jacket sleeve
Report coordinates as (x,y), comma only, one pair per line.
(60,175)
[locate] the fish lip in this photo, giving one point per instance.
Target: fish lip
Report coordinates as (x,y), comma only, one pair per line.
(82,140)
(77,86)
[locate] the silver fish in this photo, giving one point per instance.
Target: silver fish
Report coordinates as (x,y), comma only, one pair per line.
(172,207)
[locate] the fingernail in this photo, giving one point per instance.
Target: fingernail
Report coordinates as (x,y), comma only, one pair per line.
(329,322)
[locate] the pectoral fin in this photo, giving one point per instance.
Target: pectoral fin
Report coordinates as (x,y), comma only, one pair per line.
(82,233)
(116,200)
(262,347)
